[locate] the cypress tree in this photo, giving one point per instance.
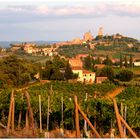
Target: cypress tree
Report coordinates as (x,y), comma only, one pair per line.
(125,62)
(68,72)
(121,61)
(131,61)
(88,62)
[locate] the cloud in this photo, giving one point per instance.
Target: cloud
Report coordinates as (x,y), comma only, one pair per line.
(130,10)
(27,13)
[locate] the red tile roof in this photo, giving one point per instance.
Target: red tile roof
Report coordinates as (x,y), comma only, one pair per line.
(87,72)
(76,68)
(75,62)
(99,66)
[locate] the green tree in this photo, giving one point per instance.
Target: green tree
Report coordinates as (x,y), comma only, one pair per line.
(56,74)
(107,61)
(17,71)
(88,62)
(125,62)
(121,61)
(53,68)
(107,71)
(68,72)
(98,60)
(125,75)
(131,61)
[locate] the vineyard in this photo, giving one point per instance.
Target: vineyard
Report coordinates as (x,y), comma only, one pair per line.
(56,102)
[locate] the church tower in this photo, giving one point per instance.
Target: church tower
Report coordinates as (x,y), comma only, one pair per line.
(87,36)
(100,32)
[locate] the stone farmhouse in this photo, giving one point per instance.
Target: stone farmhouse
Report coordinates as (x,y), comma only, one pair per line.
(84,76)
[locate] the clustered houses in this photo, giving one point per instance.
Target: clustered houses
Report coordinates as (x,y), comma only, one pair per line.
(84,76)
(31,48)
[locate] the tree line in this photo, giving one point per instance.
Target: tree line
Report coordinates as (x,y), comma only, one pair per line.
(57,69)
(108,71)
(16,72)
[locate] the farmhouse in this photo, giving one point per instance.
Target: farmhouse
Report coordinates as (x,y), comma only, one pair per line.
(84,76)
(99,80)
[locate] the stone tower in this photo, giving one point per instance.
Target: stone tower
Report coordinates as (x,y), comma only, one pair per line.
(100,32)
(87,36)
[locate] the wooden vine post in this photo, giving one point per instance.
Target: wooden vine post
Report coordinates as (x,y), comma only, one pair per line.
(95,96)
(30,112)
(40,115)
(20,115)
(62,115)
(118,118)
(128,127)
(77,108)
(88,121)
(19,119)
(27,121)
(125,111)
(48,116)
(11,114)
(77,118)
(85,122)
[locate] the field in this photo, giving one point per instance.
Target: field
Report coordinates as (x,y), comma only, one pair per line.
(91,98)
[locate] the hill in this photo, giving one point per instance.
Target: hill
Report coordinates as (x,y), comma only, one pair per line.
(6,44)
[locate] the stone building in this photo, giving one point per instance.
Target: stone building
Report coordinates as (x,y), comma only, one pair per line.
(87,36)
(100,32)
(84,76)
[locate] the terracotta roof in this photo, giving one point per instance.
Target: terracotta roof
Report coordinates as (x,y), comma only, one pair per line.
(75,62)
(76,68)
(100,66)
(81,55)
(101,78)
(87,72)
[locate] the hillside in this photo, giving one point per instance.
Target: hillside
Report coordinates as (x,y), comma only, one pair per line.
(6,44)
(113,45)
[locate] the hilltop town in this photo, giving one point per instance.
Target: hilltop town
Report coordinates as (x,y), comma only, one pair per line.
(84,55)
(95,46)
(93,69)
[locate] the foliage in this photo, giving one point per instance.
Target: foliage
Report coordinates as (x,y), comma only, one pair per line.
(88,62)
(108,72)
(57,69)
(131,61)
(97,109)
(73,50)
(120,43)
(68,72)
(16,72)
(107,61)
(130,97)
(125,75)
(121,61)
(125,62)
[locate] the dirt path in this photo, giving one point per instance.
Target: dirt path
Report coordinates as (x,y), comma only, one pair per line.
(115,92)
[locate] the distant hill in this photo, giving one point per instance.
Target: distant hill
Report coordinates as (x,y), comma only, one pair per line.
(6,44)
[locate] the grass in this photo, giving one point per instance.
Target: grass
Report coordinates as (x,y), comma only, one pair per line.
(38,59)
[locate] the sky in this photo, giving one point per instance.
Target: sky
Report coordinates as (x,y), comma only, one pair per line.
(62,20)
